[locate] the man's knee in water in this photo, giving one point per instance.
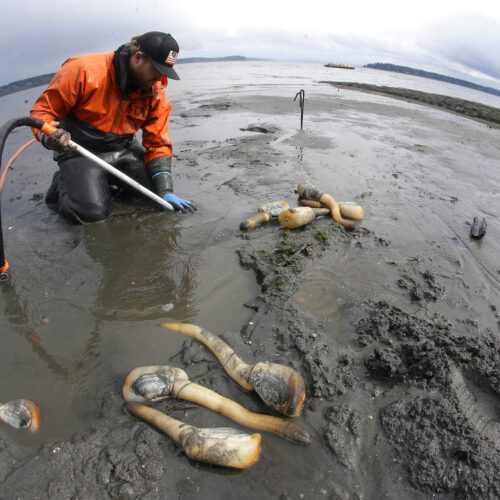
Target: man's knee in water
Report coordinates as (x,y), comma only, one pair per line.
(83,191)
(85,214)
(95,213)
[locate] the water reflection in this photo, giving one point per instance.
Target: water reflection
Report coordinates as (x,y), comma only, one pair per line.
(81,308)
(17,316)
(143,267)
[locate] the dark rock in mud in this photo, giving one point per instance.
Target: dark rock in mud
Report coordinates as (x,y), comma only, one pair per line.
(478,228)
(263,128)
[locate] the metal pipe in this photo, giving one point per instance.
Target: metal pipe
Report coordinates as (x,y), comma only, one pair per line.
(48,129)
(302,94)
(121,176)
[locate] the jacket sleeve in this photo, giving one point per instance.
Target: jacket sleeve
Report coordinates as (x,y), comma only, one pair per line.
(155,136)
(61,95)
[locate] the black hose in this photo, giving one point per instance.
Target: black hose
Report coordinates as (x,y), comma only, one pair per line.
(6,129)
(2,255)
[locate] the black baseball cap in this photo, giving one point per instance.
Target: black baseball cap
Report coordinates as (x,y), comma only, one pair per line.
(162,50)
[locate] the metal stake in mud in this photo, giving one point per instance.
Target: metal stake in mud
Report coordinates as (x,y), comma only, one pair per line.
(302,94)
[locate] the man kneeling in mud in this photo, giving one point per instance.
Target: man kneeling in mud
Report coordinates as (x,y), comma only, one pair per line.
(100,101)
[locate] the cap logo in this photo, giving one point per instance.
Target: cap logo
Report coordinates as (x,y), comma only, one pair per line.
(172,56)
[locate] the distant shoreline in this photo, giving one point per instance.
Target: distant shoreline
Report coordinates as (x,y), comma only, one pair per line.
(474,110)
(26,84)
(467,108)
(432,76)
(37,81)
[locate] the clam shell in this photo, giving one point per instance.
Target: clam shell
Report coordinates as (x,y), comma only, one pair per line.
(280,387)
(152,383)
(221,446)
(153,386)
(21,414)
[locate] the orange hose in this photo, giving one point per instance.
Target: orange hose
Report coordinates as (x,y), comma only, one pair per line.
(12,160)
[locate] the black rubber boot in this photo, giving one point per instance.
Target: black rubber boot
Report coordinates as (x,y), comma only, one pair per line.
(52,195)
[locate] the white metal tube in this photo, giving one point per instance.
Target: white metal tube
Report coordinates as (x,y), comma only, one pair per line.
(125,178)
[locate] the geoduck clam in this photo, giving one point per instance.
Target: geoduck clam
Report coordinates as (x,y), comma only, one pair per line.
(348,209)
(310,192)
(21,414)
(264,214)
(279,386)
(155,383)
(218,446)
(292,218)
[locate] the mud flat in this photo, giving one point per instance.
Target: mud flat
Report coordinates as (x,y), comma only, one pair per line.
(487,114)
(394,325)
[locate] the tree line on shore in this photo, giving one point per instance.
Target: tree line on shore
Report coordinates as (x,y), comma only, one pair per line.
(433,76)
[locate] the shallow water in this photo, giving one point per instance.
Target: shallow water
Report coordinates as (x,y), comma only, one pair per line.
(83,304)
(202,79)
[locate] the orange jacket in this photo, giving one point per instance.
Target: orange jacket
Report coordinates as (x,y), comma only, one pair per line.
(87,87)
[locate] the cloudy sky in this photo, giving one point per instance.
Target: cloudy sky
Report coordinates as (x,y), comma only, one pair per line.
(454,37)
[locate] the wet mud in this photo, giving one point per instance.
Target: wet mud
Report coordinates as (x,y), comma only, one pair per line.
(394,326)
(477,111)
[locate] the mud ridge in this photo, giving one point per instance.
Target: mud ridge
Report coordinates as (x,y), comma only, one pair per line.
(444,438)
(474,110)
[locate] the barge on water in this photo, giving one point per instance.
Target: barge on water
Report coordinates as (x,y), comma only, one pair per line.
(338,65)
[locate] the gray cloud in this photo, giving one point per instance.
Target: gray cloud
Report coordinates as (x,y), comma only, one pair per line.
(41,41)
(38,37)
(471,41)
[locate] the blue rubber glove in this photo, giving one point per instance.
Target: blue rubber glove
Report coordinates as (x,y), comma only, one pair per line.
(179,203)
